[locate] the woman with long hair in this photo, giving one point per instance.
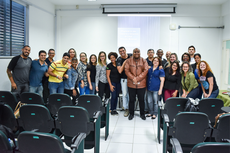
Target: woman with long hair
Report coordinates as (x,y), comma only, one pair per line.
(113,77)
(172,80)
(91,73)
(172,57)
(208,80)
(102,85)
(72,54)
(155,83)
(83,82)
(188,81)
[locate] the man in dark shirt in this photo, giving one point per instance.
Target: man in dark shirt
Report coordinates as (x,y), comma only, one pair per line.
(149,59)
(49,60)
(160,53)
(121,69)
(20,66)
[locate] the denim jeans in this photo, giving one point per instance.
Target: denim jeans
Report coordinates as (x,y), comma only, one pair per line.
(214,94)
(124,89)
(152,102)
(20,89)
(56,87)
(94,89)
(38,90)
(84,90)
(194,93)
(115,95)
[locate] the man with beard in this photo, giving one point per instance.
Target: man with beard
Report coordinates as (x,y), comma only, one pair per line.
(121,69)
(136,69)
(20,66)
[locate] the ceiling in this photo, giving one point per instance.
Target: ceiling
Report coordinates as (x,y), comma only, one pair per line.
(98,2)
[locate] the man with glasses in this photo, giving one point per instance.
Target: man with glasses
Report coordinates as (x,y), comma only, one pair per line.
(49,60)
(121,69)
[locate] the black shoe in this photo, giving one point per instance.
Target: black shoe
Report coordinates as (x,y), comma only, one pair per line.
(143,117)
(115,112)
(131,117)
(112,113)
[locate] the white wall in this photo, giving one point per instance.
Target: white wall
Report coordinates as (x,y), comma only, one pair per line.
(226,36)
(41,35)
(86,31)
(90,31)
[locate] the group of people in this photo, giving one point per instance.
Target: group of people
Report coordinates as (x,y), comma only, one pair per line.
(150,79)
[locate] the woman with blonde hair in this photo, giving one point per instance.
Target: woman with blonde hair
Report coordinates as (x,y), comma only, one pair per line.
(102,85)
(208,80)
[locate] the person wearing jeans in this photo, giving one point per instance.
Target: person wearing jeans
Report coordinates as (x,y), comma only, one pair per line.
(208,80)
(121,69)
(91,73)
(56,72)
(155,83)
(136,69)
(20,66)
(82,72)
(113,78)
(37,71)
(188,82)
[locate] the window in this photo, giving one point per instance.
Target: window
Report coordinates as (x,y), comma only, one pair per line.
(12,27)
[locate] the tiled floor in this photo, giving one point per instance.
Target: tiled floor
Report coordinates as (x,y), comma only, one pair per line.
(135,136)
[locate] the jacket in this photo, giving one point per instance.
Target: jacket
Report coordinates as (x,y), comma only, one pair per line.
(190,82)
(136,68)
(72,79)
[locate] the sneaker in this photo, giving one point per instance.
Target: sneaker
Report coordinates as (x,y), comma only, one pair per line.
(131,117)
(126,113)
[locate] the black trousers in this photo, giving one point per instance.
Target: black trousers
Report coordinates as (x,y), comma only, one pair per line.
(103,88)
(132,98)
(46,91)
(70,93)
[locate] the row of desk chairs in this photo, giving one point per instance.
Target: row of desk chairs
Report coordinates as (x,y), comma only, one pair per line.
(29,122)
(167,117)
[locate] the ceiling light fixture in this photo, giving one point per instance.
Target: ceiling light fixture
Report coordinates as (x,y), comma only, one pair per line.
(156,15)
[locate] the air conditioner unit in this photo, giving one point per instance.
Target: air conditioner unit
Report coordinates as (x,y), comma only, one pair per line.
(139,8)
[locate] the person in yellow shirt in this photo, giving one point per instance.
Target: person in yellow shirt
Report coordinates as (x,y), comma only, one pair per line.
(56,72)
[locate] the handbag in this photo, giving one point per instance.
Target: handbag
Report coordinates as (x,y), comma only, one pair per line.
(17,108)
(192,105)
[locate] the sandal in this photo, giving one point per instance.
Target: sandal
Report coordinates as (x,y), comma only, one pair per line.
(153,117)
(149,115)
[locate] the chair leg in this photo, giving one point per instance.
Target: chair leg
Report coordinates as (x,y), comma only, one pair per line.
(165,137)
(158,126)
(97,135)
(107,122)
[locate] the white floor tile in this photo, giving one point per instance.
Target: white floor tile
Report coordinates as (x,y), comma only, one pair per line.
(122,138)
(144,131)
(124,130)
(145,148)
(145,139)
(119,148)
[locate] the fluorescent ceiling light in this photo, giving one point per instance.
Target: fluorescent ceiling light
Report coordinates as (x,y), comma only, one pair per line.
(157,15)
(92,0)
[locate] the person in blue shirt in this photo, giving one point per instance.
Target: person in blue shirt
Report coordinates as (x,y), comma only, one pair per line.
(70,82)
(38,69)
(155,83)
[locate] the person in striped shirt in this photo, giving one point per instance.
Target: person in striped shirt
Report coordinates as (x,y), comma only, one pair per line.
(57,71)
